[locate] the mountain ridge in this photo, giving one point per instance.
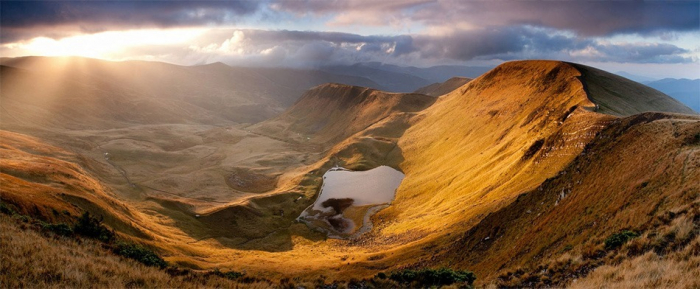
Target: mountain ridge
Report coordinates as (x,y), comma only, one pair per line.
(496,146)
(610,91)
(684,90)
(329,113)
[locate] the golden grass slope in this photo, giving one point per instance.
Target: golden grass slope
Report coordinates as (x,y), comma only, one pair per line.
(678,270)
(634,173)
(34,260)
(477,149)
(482,145)
(330,113)
(370,123)
(50,183)
(467,156)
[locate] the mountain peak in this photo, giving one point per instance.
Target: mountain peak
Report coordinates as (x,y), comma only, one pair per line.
(608,93)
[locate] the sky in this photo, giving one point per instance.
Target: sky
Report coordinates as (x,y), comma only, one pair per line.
(649,38)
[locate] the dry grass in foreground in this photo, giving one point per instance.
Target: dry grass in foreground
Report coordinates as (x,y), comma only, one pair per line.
(664,255)
(647,271)
(32,259)
(673,260)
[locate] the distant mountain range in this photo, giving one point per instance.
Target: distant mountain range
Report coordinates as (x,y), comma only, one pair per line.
(684,90)
(635,77)
(405,79)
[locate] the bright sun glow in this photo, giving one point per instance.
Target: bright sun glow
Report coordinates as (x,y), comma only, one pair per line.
(106,45)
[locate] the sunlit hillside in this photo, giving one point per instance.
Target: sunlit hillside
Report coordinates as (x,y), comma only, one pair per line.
(53,184)
(532,165)
(349,144)
(330,113)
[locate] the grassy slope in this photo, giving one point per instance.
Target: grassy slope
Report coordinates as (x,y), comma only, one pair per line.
(369,122)
(52,184)
(648,271)
(620,96)
(651,166)
(48,182)
(330,113)
(255,224)
(469,155)
(39,260)
(466,157)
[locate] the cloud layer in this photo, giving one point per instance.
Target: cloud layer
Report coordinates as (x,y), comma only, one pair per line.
(587,18)
(22,19)
(21,14)
(295,48)
(443,31)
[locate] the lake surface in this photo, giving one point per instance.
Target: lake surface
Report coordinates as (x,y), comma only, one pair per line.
(373,187)
(342,189)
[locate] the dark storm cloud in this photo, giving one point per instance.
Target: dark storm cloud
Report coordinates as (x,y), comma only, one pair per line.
(451,30)
(467,45)
(316,51)
(16,14)
(491,42)
(506,43)
(325,6)
(587,18)
(645,53)
(497,43)
(298,48)
(25,19)
(275,36)
(400,44)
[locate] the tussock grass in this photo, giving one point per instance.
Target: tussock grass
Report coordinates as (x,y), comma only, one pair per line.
(31,259)
(666,255)
(679,270)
